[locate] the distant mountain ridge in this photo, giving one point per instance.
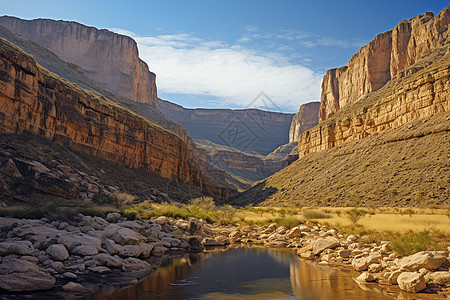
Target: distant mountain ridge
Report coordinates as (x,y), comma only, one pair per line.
(268,130)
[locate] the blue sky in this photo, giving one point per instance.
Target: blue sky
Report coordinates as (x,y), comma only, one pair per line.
(222,54)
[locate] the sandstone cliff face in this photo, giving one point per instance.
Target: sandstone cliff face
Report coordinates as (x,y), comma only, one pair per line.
(413,95)
(264,130)
(34,100)
(383,59)
(107,58)
(306,118)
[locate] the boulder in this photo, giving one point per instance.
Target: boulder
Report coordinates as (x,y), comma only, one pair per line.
(365,277)
(72,240)
(295,232)
(84,250)
(57,252)
(112,247)
(423,259)
(439,278)
(411,282)
(345,253)
(9,169)
(130,251)
(125,236)
(394,276)
(107,260)
(100,269)
(134,264)
(16,247)
(73,287)
(158,250)
(363,263)
(325,243)
(23,276)
(146,249)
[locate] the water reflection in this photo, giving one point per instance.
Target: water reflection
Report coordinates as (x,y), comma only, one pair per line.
(244,273)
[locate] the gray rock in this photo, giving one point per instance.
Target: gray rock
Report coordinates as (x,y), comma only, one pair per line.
(134,264)
(73,287)
(100,269)
(16,247)
(57,252)
(104,259)
(84,250)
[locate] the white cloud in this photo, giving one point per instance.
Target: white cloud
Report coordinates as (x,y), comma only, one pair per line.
(185,64)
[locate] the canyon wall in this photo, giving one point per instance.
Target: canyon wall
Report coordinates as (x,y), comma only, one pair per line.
(263,130)
(36,101)
(306,118)
(418,93)
(105,57)
(382,59)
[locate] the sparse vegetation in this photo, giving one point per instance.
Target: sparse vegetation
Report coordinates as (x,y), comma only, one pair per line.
(355,214)
(412,242)
(312,214)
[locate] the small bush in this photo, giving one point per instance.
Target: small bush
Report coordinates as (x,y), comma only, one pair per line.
(355,214)
(312,214)
(103,199)
(288,222)
(412,242)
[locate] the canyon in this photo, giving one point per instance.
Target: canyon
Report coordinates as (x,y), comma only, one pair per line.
(36,101)
(381,140)
(105,57)
(382,59)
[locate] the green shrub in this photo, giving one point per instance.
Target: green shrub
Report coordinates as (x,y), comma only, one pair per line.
(412,242)
(288,222)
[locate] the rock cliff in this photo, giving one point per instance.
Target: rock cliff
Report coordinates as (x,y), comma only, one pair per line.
(306,118)
(382,59)
(261,131)
(105,57)
(36,101)
(408,97)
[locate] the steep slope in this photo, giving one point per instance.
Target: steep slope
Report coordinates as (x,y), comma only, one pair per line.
(306,118)
(405,166)
(388,147)
(105,57)
(382,59)
(258,131)
(36,101)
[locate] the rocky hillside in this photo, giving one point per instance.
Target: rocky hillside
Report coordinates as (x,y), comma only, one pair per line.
(37,101)
(405,166)
(259,131)
(306,118)
(384,58)
(387,148)
(105,57)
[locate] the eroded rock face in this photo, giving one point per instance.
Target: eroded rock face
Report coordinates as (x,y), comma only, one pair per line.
(417,96)
(36,102)
(306,118)
(105,57)
(382,59)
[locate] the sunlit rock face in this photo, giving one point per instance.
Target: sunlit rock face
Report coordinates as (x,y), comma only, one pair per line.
(400,76)
(382,59)
(105,57)
(306,118)
(35,101)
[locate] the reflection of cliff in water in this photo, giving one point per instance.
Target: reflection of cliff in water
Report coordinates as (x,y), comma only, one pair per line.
(244,273)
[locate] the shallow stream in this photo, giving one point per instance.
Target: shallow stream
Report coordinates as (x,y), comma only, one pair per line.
(243,273)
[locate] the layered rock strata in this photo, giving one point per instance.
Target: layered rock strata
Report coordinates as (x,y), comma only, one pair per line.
(105,57)
(306,118)
(36,101)
(417,96)
(382,59)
